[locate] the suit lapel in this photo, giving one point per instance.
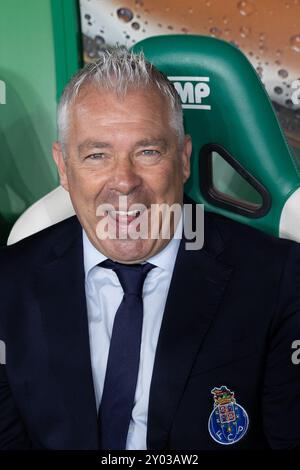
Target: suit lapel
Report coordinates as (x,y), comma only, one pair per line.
(196,290)
(61,295)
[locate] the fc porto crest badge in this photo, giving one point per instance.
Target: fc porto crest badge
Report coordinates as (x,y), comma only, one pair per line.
(228,421)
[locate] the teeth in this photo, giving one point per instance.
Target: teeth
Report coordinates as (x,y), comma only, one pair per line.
(128,213)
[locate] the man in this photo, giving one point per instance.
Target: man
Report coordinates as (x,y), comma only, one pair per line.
(199,355)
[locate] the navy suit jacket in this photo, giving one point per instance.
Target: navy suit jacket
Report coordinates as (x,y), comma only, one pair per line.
(232,313)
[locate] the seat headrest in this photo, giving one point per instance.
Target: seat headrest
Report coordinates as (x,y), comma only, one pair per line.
(227,111)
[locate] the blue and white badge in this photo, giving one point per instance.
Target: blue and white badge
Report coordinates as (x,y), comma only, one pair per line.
(228,421)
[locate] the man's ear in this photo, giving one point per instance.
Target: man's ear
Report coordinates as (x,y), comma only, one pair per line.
(60,163)
(186,156)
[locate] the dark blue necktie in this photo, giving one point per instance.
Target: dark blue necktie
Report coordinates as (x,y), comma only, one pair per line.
(123,358)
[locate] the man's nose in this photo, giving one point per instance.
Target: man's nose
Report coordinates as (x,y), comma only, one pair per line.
(124,178)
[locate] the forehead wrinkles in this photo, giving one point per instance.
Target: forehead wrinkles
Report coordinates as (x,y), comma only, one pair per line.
(94,104)
(108,111)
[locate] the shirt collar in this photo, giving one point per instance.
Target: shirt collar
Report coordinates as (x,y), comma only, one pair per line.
(91,255)
(164,259)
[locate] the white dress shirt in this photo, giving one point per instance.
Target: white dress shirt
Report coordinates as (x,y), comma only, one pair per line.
(104,295)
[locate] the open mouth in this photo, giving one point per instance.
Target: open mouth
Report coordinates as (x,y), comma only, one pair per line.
(124,217)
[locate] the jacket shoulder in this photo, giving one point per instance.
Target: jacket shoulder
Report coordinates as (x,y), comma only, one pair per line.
(37,247)
(243,235)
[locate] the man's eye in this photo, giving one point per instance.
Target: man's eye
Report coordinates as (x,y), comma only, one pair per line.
(151,152)
(95,156)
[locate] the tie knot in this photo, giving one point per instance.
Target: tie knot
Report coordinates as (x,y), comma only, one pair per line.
(131,276)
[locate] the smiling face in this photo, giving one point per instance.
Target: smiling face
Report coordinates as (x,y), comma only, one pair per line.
(122,147)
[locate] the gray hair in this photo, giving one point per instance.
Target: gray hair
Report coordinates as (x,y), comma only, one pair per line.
(119,70)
